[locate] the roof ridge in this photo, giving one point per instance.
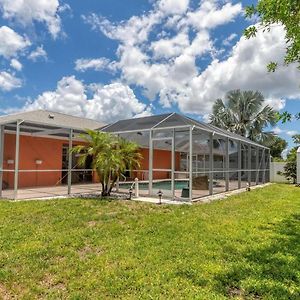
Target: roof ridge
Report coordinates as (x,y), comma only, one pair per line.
(49,111)
(160,115)
(64,114)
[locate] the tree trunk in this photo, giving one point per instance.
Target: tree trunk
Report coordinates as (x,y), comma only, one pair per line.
(112,184)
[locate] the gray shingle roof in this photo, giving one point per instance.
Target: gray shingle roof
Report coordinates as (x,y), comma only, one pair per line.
(50,118)
(170,120)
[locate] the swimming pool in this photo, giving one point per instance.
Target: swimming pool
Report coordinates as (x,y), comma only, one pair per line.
(160,185)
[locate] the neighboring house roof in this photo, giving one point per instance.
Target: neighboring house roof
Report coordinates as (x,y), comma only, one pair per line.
(49,118)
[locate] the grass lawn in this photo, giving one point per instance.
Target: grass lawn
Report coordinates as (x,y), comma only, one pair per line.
(245,247)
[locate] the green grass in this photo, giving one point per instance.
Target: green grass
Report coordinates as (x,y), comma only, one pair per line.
(245,247)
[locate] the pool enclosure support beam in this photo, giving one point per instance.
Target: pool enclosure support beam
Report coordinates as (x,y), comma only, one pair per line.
(249,164)
(150,187)
(173,167)
(2,127)
(268,163)
(227,164)
(191,164)
(264,166)
(239,164)
(211,163)
(298,165)
(257,165)
(17,155)
(70,162)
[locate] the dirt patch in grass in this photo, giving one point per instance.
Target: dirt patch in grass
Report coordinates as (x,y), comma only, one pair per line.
(4,293)
(91,223)
(88,250)
(234,292)
(49,282)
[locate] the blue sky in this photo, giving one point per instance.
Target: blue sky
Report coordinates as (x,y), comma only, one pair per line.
(119,59)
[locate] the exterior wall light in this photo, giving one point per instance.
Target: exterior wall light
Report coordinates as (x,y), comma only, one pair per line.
(10,161)
(130,193)
(38,162)
(159,194)
(248,188)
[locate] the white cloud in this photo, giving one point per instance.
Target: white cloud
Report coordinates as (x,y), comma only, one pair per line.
(173,6)
(178,80)
(131,32)
(96,64)
(277,130)
(26,12)
(210,15)
(160,51)
(246,69)
(276,103)
(11,42)
(108,103)
(167,66)
(291,132)
(38,53)
(166,48)
(228,41)
(14,63)
(9,82)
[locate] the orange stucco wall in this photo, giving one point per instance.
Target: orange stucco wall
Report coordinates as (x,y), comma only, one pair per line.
(161,160)
(50,152)
(32,149)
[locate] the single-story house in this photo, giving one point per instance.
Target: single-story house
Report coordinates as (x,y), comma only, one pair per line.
(178,153)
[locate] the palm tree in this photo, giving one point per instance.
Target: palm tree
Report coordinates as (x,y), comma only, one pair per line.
(244,113)
(111,156)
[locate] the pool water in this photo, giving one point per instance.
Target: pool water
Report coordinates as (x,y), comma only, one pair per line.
(160,185)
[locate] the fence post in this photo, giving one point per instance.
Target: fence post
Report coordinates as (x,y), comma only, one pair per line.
(298,166)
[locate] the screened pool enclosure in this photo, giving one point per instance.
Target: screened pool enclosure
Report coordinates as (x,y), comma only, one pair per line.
(187,159)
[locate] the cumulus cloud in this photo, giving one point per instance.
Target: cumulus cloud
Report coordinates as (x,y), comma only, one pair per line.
(26,12)
(167,48)
(210,15)
(228,41)
(97,64)
(291,132)
(134,31)
(9,82)
(14,63)
(246,69)
(11,43)
(167,67)
(173,6)
(38,53)
(277,104)
(108,103)
(279,131)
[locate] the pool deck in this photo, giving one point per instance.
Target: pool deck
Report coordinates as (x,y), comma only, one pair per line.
(56,192)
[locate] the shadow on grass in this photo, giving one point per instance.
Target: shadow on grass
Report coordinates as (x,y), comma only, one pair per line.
(270,271)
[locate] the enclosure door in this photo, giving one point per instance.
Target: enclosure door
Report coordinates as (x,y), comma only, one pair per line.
(161,175)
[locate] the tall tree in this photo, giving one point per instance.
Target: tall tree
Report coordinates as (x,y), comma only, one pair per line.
(111,156)
(278,12)
(290,168)
(277,147)
(244,113)
(296,139)
(288,117)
